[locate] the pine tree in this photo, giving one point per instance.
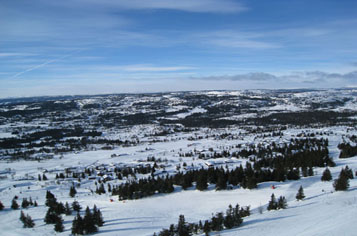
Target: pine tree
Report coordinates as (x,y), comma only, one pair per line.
(272,205)
(77,225)
(326,175)
(89,225)
(182,228)
(207,228)
(1,206)
(311,171)
(14,204)
(72,191)
(348,172)
(25,203)
(22,217)
(44,177)
(201,183)
(282,204)
(59,225)
(97,215)
(67,210)
(31,202)
(76,206)
(300,195)
(342,183)
(51,217)
(35,204)
(28,222)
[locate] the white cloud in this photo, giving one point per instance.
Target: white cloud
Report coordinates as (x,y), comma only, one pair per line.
(15,54)
(211,6)
(143,68)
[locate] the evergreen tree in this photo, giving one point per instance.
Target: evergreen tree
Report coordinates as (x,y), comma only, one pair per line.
(201,183)
(272,205)
(311,171)
(326,175)
(300,195)
(282,204)
(58,208)
(51,200)
(76,206)
(89,225)
(182,228)
(51,217)
(221,182)
(97,215)
(348,172)
(342,183)
(25,203)
(251,182)
(229,218)
(72,191)
(35,204)
(22,217)
(1,206)
(28,222)
(31,202)
(14,204)
(67,210)
(207,227)
(77,225)
(59,225)
(44,177)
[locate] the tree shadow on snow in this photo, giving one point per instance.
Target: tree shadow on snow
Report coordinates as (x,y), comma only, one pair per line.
(247,225)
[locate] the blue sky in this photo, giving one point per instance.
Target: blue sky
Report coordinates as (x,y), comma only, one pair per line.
(92,47)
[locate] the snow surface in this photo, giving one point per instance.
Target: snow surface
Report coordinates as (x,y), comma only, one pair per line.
(323,212)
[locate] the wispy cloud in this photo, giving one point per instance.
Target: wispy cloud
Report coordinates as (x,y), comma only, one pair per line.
(144,68)
(302,77)
(211,6)
(43,64)
(15,54)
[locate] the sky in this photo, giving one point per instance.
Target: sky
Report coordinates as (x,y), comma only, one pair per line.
(72,47)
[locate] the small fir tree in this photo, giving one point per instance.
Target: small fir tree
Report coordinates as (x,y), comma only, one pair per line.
(282,204)
(342,183)
(59,225)
(77,225)
(326,175)
(89,225)
(97,215)
(300,195)
(76,206)
(1,206)
(67,210)
(72,191)
(25,203)
(272,205)
(22,217)
(44,177)
(14,204)
(28,223)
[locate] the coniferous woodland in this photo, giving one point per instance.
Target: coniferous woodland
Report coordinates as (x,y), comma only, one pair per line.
(80,225)
(220,221)
(297,159)
(347,150)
